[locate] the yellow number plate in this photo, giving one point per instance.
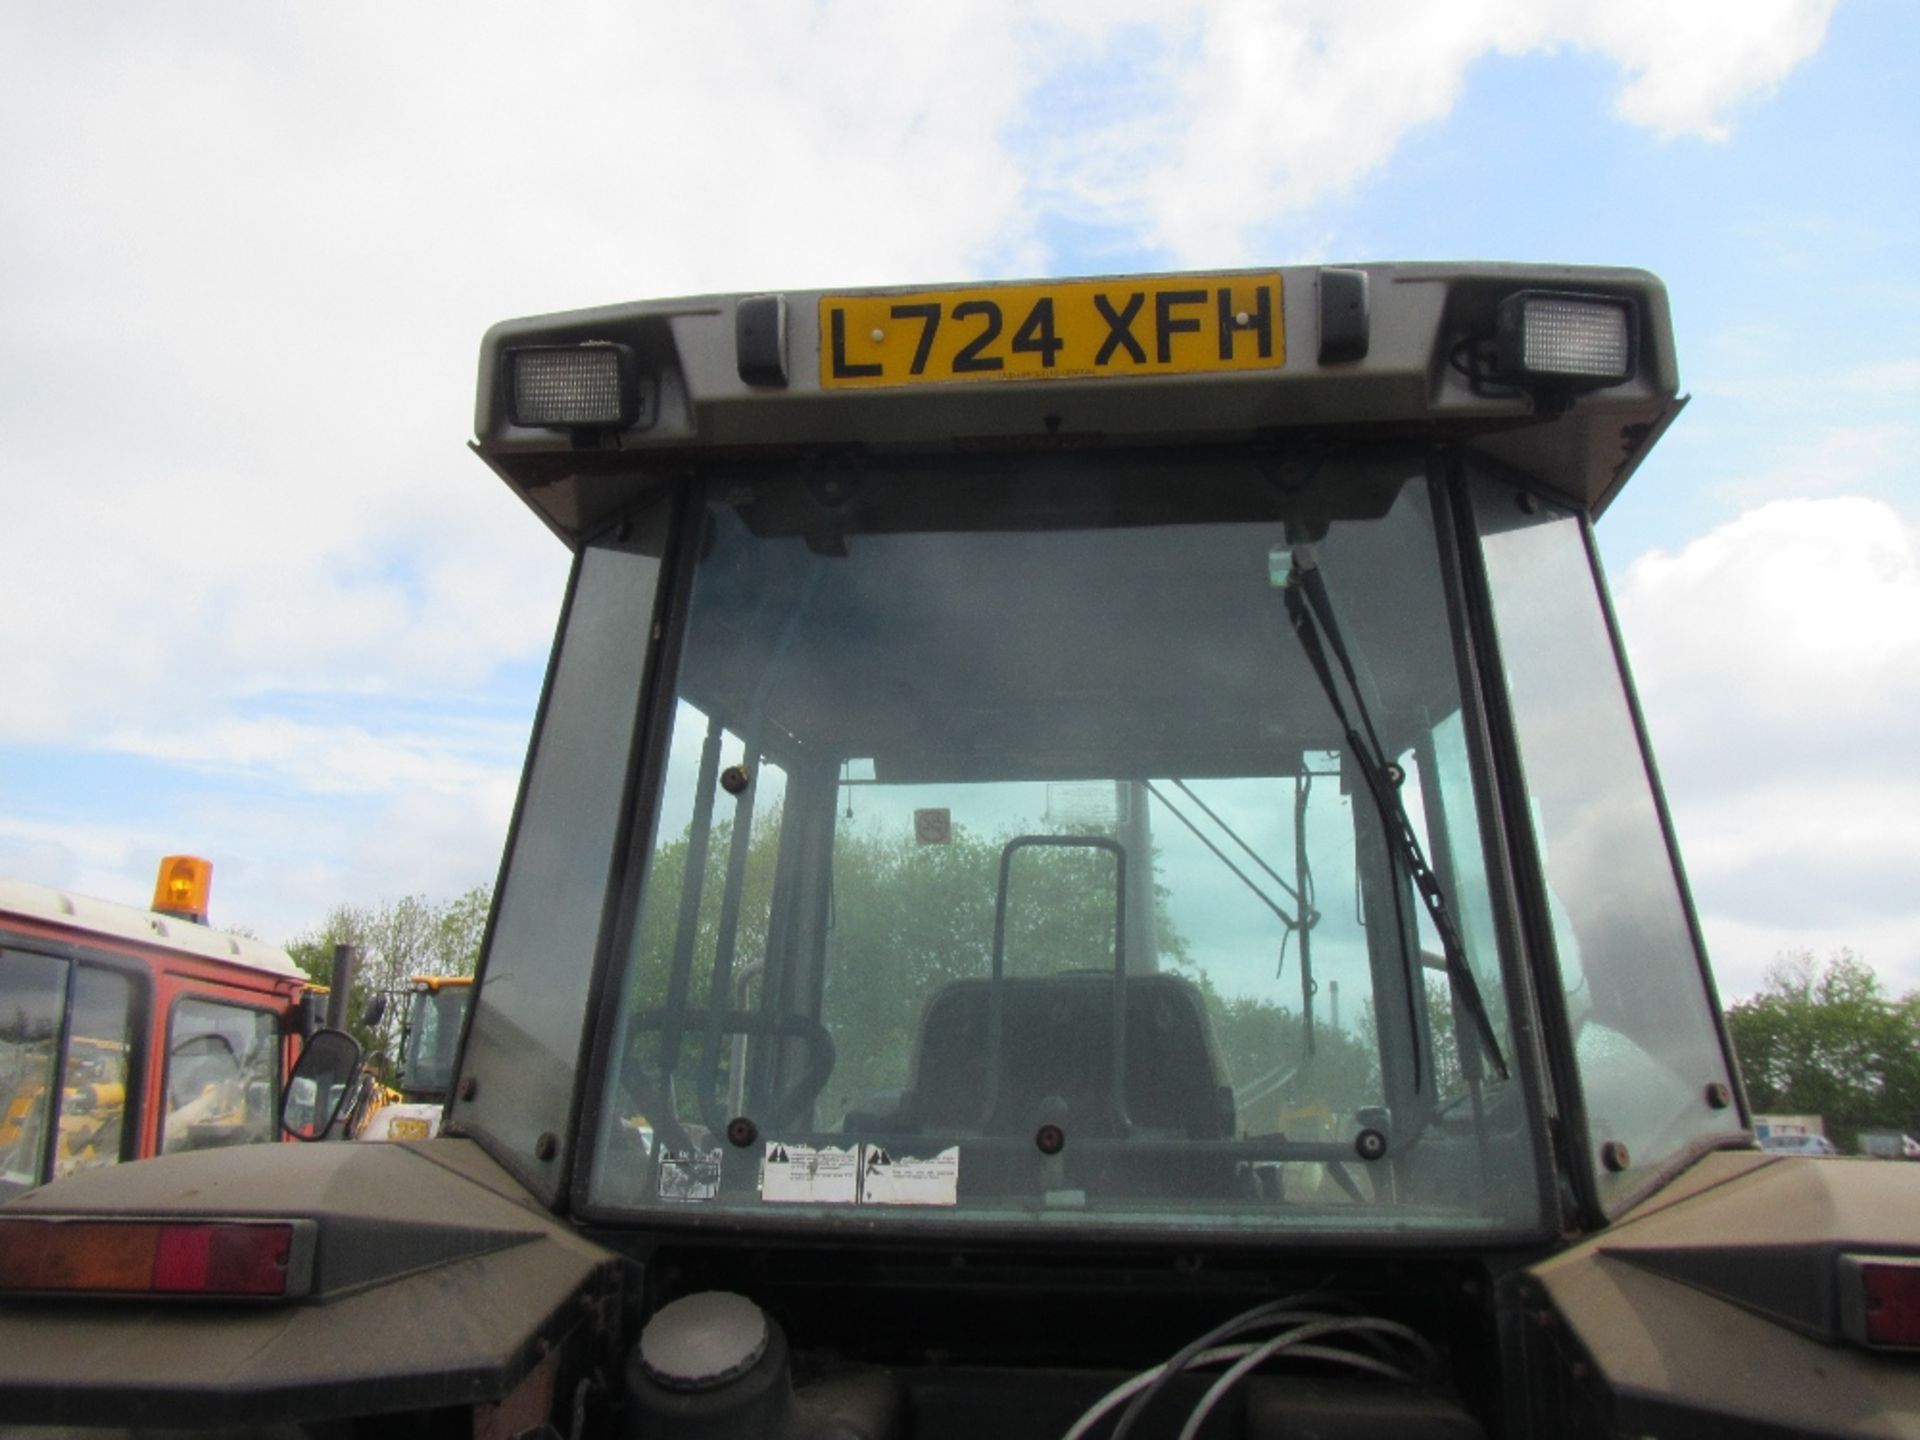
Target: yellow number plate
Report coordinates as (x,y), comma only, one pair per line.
(1067,329)
(406,1127)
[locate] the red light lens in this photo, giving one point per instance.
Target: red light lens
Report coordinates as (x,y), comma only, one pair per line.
(210,1258)
(1893,1302)
(180,1257)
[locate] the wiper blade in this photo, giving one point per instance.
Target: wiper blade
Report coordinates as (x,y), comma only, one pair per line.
(1311,610)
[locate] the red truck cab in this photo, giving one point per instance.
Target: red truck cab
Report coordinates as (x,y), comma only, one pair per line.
(128,1032)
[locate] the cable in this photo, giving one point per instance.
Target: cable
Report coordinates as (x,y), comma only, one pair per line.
(580,1393)
(1273,1312)
(1113,1397)
(1347,1357)
(1107,1403)
(1294,1340)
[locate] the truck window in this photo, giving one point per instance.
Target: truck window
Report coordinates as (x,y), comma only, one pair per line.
(33,996)
(95,1080)
(81,1094)
(433,1037)
(222,1083)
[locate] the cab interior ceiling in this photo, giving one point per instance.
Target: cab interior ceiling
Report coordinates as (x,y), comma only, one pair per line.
(1101,647)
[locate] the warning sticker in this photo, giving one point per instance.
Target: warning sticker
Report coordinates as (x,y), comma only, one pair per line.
(806,1175)
(689,1174)
(888,1179)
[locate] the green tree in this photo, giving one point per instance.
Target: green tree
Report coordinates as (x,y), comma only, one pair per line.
(1285,1079)
(1827,1040)
(398,939)
(907,918)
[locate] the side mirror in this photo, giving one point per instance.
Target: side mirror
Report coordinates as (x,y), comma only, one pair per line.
(319,1084)
(376,1011)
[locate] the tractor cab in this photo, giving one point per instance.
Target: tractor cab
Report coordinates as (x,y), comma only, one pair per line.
(1088,865)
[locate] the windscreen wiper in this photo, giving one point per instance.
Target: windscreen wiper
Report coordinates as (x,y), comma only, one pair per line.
(1311,610)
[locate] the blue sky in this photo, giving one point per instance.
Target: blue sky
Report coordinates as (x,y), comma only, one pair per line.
(263,605)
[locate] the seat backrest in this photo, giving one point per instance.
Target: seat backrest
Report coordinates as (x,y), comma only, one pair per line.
(1056,1045)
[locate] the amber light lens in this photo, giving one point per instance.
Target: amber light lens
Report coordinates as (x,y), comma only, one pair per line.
(184,886)
(144,1257)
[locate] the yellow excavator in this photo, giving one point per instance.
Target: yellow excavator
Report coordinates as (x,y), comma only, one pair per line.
(411,1107)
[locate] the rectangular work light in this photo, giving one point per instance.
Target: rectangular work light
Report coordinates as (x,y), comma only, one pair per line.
(572,387)
(1578,342)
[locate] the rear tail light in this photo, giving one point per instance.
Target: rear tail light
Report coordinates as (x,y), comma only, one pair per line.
(1880,1301)
(211,1259)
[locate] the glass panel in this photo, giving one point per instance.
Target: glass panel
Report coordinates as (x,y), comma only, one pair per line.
(998,814)
(433,1038)
(531,1011)
(33,995)
(1645,1037)
(93,1103)
(223,1073)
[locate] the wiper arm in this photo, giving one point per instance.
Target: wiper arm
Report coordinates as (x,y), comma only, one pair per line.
(1308,916)
(1311,610)
(1301,924)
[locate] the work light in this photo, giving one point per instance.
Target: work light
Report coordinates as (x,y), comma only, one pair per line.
(1576,342)
(572,387)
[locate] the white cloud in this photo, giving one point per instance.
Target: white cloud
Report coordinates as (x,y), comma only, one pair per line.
(1792,620)
(1744,952)
(1886,379)
(1274,109)
(280,864)
(453,757)
(1778,661)
(250,253)
(246,255)
(1747,365)
(1689,65)
(1837,461)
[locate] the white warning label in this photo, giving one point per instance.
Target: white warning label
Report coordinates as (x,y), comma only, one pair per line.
(888,1179)
(689,1174)
(806,1175)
